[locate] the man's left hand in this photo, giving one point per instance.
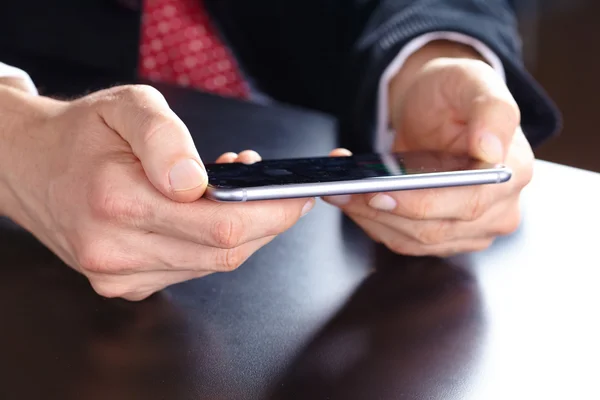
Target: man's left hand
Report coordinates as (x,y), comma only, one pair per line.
(462,106)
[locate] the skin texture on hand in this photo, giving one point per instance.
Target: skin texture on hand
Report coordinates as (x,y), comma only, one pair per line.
(446,99)
(112,184)
(405,77)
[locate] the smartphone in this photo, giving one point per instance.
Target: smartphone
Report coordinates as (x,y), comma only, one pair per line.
(361,173)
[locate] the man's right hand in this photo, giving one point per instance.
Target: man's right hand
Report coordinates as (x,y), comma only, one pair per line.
(112,184)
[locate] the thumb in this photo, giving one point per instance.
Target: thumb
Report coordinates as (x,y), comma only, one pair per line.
(493,121)
(161,141)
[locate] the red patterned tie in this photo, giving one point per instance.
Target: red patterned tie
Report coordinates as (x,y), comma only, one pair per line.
(179,46)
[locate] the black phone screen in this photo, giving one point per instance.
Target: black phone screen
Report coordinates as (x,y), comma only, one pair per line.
(333,169)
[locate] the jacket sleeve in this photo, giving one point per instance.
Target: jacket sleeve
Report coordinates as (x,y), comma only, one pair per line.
(391,24)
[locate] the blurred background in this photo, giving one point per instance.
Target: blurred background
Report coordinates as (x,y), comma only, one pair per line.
(561,43)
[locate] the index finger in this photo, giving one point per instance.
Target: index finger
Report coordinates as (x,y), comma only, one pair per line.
(465,203)
(226,225)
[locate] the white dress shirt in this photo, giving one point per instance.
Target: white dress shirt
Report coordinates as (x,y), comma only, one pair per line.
(384,135)
(7,71)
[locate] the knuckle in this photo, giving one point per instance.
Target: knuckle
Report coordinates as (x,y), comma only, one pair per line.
(476,206)
(229,260)
(153,125)
(139,92)
(227,231)
(108,289)
(402,246)
(433,234)
(93,258)
(100,257)
(119,287)
(397,245)
(418,207)
(108,203)
(150,120)
(111,289)
(137,295)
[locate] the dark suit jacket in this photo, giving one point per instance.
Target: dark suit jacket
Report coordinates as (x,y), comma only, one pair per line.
(322,54)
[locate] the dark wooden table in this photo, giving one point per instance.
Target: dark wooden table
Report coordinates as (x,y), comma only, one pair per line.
(321,312)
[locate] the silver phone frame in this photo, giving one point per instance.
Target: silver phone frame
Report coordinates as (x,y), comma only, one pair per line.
(430,180)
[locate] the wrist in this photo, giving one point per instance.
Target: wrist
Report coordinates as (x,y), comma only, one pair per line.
(417,61)
(19,111)
(10,122)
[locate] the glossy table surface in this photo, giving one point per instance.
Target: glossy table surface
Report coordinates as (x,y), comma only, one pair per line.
(321,312)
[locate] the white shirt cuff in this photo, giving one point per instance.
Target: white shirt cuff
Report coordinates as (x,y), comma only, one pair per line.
(7,71)
(384,136)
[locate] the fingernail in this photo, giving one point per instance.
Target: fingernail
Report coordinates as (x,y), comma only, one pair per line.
(186,175)
(383,202)
(491,147)
(249,157)
(341,200)
(307,207)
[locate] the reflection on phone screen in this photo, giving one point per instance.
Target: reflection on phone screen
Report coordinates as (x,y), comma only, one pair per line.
(330,169)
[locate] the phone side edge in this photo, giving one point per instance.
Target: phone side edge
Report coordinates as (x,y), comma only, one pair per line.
(504,174)
(415,182)
(226,195)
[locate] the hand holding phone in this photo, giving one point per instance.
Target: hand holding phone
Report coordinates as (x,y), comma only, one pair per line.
(355,174)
